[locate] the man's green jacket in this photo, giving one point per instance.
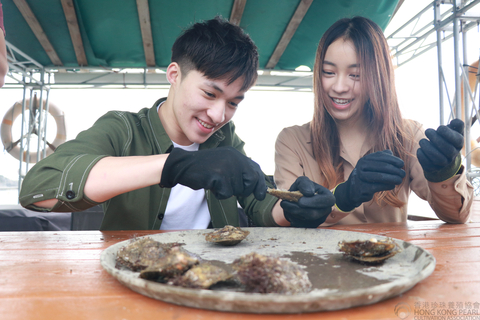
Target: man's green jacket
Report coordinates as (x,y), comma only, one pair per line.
(62,175)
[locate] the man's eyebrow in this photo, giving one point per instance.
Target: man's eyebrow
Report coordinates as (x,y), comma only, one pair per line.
(214,86)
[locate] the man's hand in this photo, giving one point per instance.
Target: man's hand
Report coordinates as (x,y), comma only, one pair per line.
(374,172)
(439,156)
(312,209)
(224,171)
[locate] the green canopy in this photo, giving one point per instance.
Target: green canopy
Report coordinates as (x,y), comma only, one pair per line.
(110,31)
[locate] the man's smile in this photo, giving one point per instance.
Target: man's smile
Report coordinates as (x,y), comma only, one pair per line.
(204,124)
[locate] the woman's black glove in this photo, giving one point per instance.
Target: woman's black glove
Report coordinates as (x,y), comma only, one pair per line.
(374,172)
(440,156)
(224,171)
(312,209)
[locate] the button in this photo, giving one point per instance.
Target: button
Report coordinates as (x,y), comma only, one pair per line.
(70,194)
(161,216)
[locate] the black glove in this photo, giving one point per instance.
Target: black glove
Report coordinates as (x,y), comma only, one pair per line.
(224,171)
(440,156)
(374,172)
(312,209)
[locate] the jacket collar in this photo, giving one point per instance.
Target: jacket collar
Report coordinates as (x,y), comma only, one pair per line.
(160,136)
(353,158)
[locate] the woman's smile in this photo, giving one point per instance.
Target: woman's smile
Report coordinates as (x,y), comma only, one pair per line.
(341,81)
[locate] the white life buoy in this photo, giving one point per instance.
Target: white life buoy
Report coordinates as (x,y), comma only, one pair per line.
(14,112)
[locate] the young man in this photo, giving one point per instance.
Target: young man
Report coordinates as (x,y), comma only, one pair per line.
(178,165)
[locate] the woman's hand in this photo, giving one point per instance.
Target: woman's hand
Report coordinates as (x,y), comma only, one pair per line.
(439,156)
(374,172)
(312,209)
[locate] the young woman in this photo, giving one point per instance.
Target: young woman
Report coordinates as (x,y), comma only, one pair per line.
(357,144)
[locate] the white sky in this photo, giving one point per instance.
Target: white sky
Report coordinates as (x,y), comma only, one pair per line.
(261,115)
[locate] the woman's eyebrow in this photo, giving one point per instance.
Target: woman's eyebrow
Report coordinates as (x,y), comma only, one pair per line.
(329,63)
(354,65)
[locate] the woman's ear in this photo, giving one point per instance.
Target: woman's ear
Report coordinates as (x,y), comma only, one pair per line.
(173,73)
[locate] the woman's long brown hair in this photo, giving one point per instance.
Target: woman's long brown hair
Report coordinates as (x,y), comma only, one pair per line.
(381,109)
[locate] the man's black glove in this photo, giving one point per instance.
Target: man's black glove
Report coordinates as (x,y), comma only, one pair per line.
(312,209)
(440,156)
(374,172)
(224,171)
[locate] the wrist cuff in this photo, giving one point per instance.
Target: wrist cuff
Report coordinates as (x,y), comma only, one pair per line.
(446,172)
(173,167)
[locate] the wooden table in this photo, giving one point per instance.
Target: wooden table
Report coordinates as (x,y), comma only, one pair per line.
(57,275)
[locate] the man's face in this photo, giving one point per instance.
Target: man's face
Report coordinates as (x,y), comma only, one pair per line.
(201,106)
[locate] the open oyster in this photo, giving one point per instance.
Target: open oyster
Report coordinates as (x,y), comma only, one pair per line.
(285,195)
(203,276)
(227,236)
(264,274)
(140,253)
(175,263)
(372,250)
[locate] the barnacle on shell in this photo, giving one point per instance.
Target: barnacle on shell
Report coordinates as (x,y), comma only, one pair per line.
(266,274)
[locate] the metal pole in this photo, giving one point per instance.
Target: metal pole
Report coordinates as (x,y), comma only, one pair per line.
(466,103)
(437,15)
(20,160)
(40,120)
(31,123)
(45,127)
(456,48)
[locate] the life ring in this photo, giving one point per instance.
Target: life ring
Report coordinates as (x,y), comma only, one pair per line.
(14,147)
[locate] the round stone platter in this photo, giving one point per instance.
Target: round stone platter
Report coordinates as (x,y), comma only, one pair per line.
(338,282)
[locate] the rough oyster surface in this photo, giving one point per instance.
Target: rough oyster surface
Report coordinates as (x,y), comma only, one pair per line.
(227,236)
(372,250)
(203,276)
(265,274)
(175,263)
(285,195)
(141,253)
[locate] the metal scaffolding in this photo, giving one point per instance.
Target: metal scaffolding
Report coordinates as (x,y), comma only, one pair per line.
(438,22)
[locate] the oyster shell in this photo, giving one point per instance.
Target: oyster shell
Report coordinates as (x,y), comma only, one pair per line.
(141,253)
(203,276)
(285,195)
(372,250)
(265,274)
(176,262)
(227,236)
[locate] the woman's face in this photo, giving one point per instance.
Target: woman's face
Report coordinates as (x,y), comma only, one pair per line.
(341,81)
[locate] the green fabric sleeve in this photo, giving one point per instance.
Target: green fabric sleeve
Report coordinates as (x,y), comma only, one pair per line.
(63,174)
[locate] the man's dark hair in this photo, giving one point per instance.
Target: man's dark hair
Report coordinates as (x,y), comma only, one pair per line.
(219,50)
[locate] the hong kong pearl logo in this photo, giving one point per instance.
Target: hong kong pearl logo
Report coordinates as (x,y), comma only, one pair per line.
(402,310)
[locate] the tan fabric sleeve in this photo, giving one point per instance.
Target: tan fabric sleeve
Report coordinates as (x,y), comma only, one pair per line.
(451,200)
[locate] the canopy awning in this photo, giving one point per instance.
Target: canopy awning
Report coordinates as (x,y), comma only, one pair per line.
(139,34)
